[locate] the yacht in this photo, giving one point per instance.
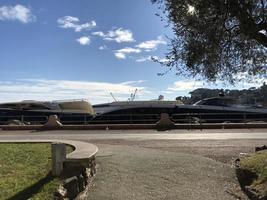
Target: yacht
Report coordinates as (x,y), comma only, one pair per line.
(133,111)
(211,110)
(220,109)
(37,112)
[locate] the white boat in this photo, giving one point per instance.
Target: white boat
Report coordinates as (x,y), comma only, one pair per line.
(37,112)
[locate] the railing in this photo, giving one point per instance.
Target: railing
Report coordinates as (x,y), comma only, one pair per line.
(24,119)
(126,119)
(218,117)
(185,118)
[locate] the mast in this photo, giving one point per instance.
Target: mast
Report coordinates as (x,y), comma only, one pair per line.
(113,96)
(134,94)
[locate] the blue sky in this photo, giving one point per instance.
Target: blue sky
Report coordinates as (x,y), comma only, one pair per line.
(85,49)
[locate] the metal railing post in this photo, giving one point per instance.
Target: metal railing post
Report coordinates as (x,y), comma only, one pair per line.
(85,120)
(244,117)
(200,121)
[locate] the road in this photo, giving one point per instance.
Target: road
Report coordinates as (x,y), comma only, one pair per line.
(226,134)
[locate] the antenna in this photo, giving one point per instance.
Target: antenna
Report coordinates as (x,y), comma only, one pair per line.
(113,96)
(133,95)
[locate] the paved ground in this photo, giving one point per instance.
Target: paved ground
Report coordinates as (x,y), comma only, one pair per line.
(139,134)
(131,173)
(163,165)
(224,151)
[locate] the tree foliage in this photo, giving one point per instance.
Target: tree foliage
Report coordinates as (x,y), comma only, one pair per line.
(217,39)
(252,96)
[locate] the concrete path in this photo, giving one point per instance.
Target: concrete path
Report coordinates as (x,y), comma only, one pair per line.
(139,134)
(134,173)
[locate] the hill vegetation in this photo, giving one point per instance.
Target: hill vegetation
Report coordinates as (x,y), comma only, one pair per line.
(252,96)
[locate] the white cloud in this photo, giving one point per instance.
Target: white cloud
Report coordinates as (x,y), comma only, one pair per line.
(98,33)
(129,50)
(151,44)
(42,89)
(247,81)
(119,35)
(149,58)
(103,47)
(84,40)
(121,53)
(143,59)
(185,85)
(18,12)
(162,60)
(74,23)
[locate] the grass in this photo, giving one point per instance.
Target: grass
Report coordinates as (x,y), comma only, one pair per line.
(257,163)
(25,170)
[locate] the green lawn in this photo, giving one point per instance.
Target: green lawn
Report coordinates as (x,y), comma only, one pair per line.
(25,171)
(257,163)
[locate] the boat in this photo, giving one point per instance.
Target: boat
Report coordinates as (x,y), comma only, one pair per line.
(221,109)
(37,112)
(127,112)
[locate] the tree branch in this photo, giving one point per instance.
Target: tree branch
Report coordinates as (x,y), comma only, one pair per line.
(261,38)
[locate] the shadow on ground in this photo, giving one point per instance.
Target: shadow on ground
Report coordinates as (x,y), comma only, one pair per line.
(28,192)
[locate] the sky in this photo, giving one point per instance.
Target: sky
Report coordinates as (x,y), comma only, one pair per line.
(65,49)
